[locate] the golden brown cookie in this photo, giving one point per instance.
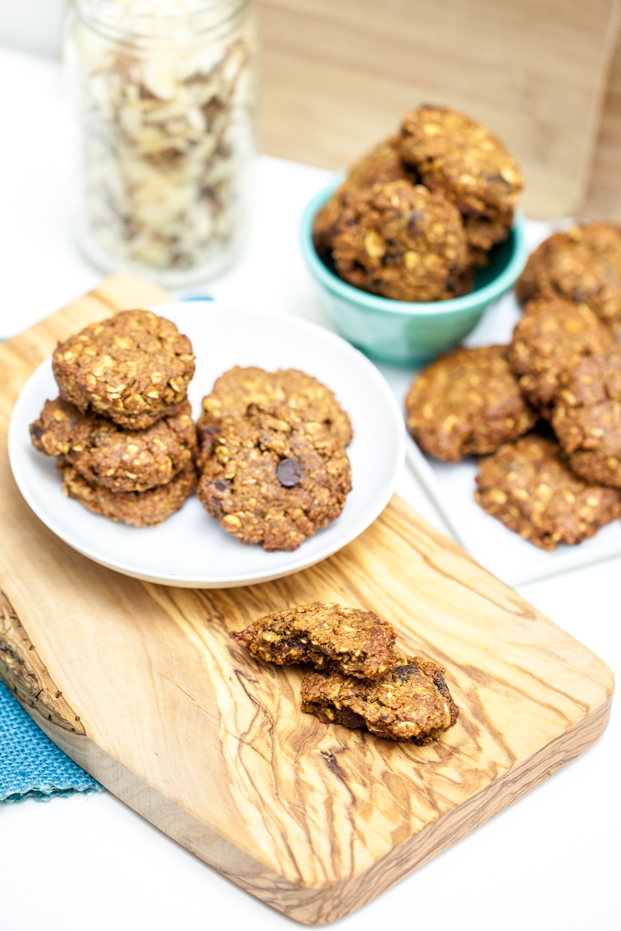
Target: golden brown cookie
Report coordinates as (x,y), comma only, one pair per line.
(379,166)
(132,368)
(582,264)
(353,641)
(587,418)
(272,477)
(402,242)
(233,391)
(462,160)
(103,453)
(483,234)
(411,703)
(528,486)
(553,335)
(467,403)
(139,508)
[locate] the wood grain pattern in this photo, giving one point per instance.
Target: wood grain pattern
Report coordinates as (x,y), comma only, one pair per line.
(603,197)
(337,78)
(142,685)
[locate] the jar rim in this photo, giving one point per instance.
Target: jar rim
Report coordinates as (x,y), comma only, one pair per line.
(117,19)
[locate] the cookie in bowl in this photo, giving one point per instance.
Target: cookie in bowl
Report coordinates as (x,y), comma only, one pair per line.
(410,248)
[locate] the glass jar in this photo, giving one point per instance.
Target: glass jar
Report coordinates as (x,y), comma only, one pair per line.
(163,95)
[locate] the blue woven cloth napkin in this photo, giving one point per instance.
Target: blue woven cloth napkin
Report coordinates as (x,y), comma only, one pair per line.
(31,766)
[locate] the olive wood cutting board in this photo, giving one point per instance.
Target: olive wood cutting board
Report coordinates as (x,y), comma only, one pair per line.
(142,686)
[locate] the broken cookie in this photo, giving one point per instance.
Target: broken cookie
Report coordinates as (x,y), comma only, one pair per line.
(328,636)
(410,703)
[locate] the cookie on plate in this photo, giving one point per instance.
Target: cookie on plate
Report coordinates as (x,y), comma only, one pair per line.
(552,336)
(103,453)
(353,641)
(587,418)
(582,264)
(462,160)
(233,391)
(401,241)
(273,477)
(132,368)
(411,703)
(466,403)
(529,487)
(139,508)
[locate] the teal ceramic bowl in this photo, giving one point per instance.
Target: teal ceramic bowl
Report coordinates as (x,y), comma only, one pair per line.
(403,332)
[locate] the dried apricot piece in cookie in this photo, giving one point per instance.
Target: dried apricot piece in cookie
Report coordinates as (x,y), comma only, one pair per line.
(461,159)
(240,386)
(529,487)
(328,636)
(132,368)
(104,453)
(401,241)
(552,336)
(410,703)
(582,264)
(467,403)
(587,418)
(139,508)
(273,477)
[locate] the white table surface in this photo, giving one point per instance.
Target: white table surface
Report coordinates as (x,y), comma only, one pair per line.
(550,862)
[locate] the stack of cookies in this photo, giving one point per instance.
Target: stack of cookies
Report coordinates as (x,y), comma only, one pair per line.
(121,428)
(358,678)
(561,374)
(419,213)
(272,461)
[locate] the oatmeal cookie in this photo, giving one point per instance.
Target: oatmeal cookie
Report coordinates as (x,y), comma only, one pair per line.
(528,486)
(272,477)
(467,403)
(139,508)
(233,391)
(582,264)
(350,640)
(402,242)
(379,166)
(132,368)
(410,703)
(553,335)
(587,418)
(462,160)
(104,454)
(483,234)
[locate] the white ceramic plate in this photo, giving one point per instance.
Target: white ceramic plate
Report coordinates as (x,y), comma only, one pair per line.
(190,549)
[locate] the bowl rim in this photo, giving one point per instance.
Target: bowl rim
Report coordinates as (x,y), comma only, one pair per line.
(467,302)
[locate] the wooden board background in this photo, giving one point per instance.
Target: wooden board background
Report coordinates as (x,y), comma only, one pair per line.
(143,687)
(338,77)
